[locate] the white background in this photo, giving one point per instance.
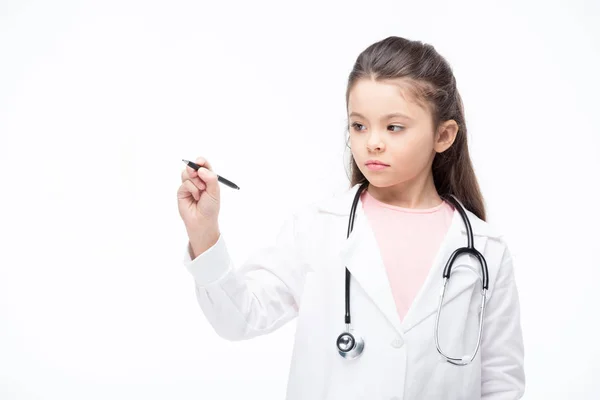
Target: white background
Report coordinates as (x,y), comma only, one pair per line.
(100,101)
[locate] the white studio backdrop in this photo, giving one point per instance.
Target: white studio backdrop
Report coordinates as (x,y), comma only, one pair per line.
(100,101)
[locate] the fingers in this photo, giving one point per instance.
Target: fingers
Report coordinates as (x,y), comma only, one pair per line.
(203,162)
(192,189)
(196,180)
(207,176)
(188,173)
(202,180)
(191,174)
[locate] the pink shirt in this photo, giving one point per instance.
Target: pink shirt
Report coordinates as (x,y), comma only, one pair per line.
(408,239)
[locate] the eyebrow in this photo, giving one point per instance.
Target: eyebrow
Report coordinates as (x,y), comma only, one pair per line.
(388,116)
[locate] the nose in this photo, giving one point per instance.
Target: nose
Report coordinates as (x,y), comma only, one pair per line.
(374,142)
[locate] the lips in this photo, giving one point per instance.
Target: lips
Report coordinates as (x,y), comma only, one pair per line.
(376,167)
(376,163)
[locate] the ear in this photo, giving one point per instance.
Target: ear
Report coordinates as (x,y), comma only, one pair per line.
(445,136)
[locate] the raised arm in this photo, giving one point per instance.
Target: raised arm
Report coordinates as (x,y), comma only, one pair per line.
(259,297)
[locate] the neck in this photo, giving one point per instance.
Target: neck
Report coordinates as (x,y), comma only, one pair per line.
(417,193)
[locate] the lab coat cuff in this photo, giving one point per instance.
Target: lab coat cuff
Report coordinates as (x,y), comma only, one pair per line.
(210,266)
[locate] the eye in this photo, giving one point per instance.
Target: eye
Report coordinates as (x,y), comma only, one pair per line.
(397,126)
(355,124)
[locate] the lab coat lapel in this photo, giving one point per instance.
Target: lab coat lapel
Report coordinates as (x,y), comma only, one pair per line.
(465,274)
(361,255)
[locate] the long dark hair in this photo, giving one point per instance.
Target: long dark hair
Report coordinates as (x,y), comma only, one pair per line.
(432,84)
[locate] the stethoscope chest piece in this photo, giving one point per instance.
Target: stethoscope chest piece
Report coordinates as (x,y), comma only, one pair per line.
(350,345)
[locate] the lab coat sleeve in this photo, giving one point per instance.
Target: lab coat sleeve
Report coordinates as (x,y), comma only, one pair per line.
(502,372)
(257,298)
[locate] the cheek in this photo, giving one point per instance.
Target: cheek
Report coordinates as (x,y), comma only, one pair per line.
(410,153)
(413,154)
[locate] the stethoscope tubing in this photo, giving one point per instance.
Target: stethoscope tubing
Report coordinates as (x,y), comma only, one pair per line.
(350,345)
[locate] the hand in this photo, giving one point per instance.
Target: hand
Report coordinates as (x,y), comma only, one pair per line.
(199,197)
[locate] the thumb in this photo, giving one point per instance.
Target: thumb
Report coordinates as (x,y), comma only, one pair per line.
(211,180)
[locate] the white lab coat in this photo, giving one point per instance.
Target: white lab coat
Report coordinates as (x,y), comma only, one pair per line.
(303,276)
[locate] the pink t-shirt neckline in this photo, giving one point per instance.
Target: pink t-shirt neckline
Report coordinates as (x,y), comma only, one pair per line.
(404,209)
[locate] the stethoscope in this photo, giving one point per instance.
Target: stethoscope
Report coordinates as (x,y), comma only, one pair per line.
(350,345)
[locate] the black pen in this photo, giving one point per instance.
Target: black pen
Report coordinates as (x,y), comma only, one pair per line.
(219,178)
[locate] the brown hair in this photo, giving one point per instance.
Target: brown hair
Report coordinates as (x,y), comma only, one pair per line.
(431,83)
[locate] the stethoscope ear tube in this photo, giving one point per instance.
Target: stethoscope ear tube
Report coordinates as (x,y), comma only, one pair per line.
(470,249)
(473,251)
(347,318)
(351,345)
(466,359)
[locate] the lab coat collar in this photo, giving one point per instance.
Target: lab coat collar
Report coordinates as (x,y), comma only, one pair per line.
(361,255)
(341,203)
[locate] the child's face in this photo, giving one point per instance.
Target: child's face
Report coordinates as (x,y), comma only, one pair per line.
(405,143)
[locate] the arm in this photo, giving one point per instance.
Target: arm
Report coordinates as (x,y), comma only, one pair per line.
(502,372)
(259,297)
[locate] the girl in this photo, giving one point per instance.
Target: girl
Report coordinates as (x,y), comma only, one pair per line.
(408,140)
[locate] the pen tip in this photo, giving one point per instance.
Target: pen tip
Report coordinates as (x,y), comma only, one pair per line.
(185,161)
